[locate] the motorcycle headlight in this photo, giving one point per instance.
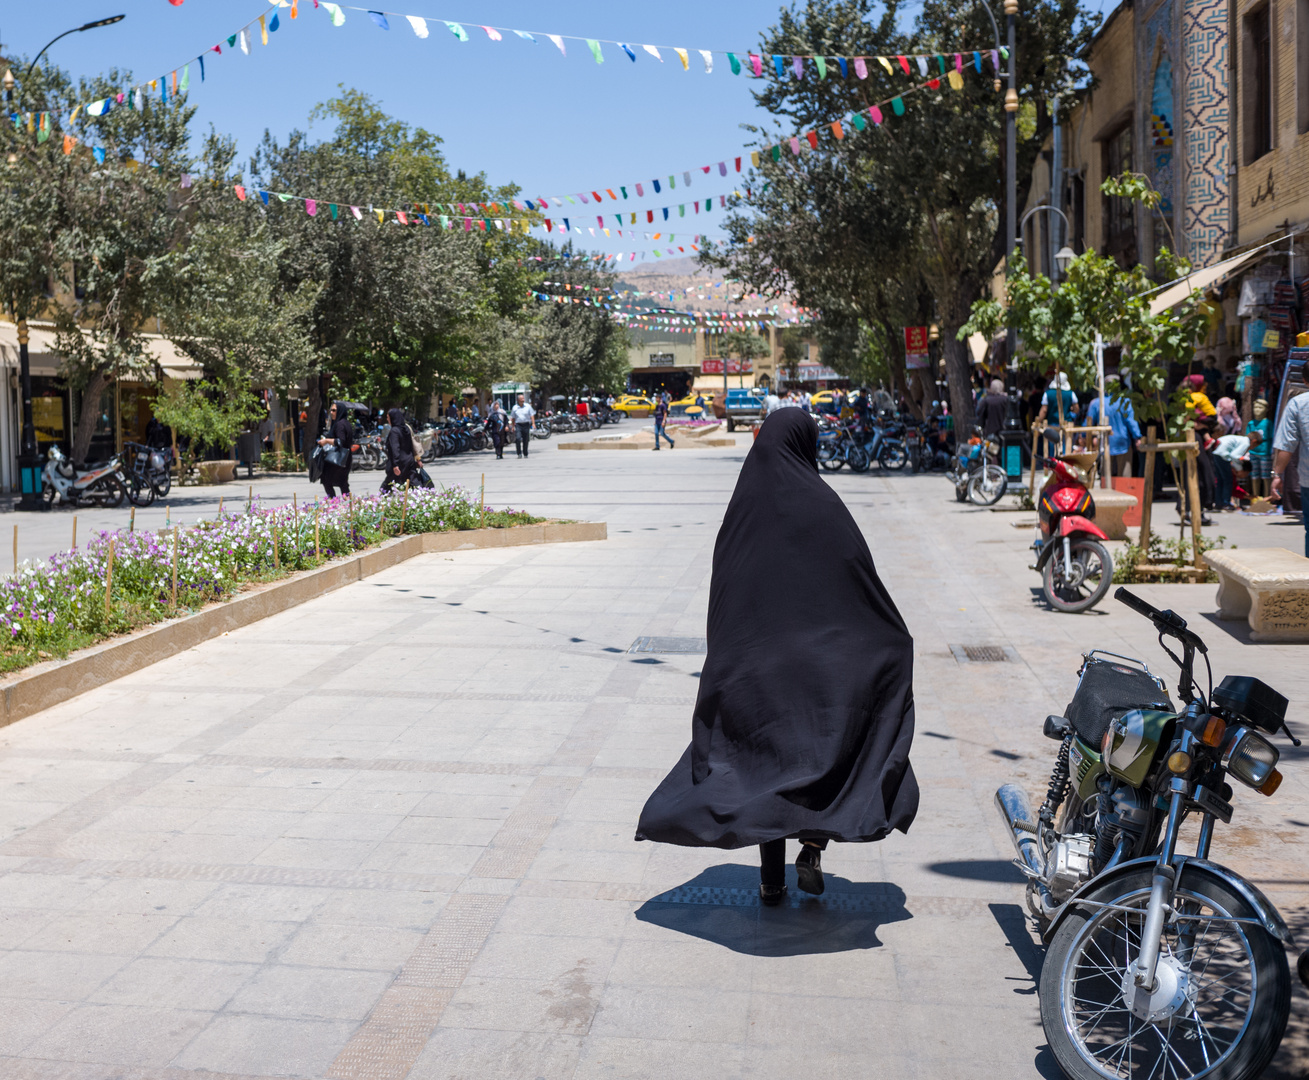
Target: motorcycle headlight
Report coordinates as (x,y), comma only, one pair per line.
(1251,758)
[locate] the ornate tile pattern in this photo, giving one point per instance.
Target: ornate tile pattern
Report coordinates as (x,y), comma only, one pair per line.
(1204,130)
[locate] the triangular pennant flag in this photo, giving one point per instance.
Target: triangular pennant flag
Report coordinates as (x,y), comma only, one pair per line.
(959,62)
(754,160)
(263,197)
(333,209)
(686,178)
(845,67)
(186,76)
(956,80)
(897,105)
(886,64)
(860,68)
(418,24)
(231,42)
(820,63)
(922,65)
(757,65)
(734,63)
(381,216)
(311,207)
(274,23)
(334,10)
(240,192)
(837,130)
(526,36)
(682,56)
(628,49)
(401,215)
(859,122)
(559,43)
(875,114)
(492,33)
(376,16)
(977,62)
(708,59)
(357,213)
(595,50)
(69,143)
(295,9)
(99,152)
(812,136)
(458,31)
(940,61)
(263,34)
(202,63)
(904,63)
(795,145)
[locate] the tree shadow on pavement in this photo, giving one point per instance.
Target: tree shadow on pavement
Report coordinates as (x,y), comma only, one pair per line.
(722,905)
(1291,1062)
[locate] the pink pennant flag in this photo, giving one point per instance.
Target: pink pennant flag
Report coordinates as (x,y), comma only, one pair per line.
(860,68)
(311,207)
(401,215)
(599,221)
(959,62)
(355,210)
(639,191)
(468,224)
(757,64)
(583,197)
(240,192)
(722,168)
(875,113)
(492,33)
(795,145)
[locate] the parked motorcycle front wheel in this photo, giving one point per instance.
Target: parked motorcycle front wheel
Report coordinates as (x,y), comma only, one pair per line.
(163,484)
(987,486)
(858,459)
(1084,583)
(110,492)
(893,457)
(140,492)
(829,457)
(1223,987)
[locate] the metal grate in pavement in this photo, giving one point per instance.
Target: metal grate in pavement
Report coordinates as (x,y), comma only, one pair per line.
(688,645)
(984,654)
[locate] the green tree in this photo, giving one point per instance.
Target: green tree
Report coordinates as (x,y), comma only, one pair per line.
(902,223)
(206,415)
(577,346)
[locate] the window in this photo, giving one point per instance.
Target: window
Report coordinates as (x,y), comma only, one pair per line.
(1119,213)
(1077,211)
(1257,86)
(713,345)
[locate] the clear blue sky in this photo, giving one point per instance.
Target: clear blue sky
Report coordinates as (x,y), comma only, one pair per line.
(517,111)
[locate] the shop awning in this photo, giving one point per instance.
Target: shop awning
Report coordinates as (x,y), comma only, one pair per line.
(1177,291)
(42,360)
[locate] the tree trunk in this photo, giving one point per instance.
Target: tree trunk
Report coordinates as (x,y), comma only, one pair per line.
(958,373)
(87,414)
(313,409)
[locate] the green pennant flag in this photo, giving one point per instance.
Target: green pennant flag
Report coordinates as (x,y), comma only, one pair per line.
(186,78)
(332,209)
(595,50)
(231,42)
(671,183)
(735,63)
(820,62)
(777,152)
(624,191)
(897,106)
(941,61)
(859,122)
(284,198)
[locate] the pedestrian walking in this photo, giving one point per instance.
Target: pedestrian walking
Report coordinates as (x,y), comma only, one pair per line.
(401,451)
(805,712)
(992,410)
(1124,433)
(496,420)
(660,416)
(1292,437)
(523,416)
(337,453)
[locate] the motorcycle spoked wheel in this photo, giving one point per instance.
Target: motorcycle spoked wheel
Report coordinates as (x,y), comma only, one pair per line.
(1094,575)
(1239,999)
(858,459)
(829,457)
(987,487)
(110,492)
(163,484)
(140,492)
(892,457)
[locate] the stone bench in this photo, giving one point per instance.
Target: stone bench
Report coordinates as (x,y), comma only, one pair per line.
(1267,586)
(1110,506)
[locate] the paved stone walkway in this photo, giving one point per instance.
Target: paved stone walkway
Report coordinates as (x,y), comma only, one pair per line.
(389,833)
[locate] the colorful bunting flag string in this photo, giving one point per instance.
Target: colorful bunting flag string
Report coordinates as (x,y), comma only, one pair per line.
(744,61)
(691,320)
(797,144)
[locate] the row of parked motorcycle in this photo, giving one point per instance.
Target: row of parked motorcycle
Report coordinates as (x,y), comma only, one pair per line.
(140,475)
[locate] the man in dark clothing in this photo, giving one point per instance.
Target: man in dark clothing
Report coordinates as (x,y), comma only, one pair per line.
(992,410)
(660,416)
(495,422)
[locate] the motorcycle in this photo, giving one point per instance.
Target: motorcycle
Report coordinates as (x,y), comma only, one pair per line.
(1076,569)
(837,447)
(1158,963)
(148,477)
(101,485)
(976,477)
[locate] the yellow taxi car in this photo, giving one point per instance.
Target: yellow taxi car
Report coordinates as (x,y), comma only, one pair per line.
(687,407)
(634,405)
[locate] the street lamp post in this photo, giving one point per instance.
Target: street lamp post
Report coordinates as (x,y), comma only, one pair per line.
(29,457)
(1011,158)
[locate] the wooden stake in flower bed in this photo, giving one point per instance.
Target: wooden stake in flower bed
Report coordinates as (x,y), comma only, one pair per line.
(174,567)
(131,521)
(404,509)
(317,550)
(276,564)
(481,502)
(109,576)
(220,508)
(74,532)
(15,551)
(295,516)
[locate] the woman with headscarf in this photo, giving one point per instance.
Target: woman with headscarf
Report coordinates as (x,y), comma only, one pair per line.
(337,443)
(805,712)
(1204,418)
(1229,420)
(400,456)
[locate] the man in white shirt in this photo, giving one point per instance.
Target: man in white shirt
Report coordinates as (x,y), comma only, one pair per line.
(522,415)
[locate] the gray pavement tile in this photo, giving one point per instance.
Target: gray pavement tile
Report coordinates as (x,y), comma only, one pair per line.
(526,914)
(197,937)
(316,854)
(370,907)
(46,891)
(119,1035)
(566,1007)
(476,832)
(208,848)
(289,903)
(415,858)
(149,896)
(101,932)
(23,1021)
(544,958)
(311,993)
(57,976)
(235,820)
(459,804)
(17,925)
(607,1058)
(461,1054)
(681,963)
(692,1014)
(266,1046)
(603,866)
(349,945)
(156,982)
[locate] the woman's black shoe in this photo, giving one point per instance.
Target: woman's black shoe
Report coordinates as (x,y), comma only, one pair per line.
(808,871)
(772,895)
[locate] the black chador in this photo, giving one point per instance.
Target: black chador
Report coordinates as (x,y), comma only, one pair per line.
(805,712)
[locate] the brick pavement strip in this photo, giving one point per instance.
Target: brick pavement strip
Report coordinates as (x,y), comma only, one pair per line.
(388,834)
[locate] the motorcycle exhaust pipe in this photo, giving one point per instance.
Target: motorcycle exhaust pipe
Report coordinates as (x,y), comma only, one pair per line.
(1011,801)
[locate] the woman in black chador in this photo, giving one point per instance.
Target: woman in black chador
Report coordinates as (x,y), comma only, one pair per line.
(806,707)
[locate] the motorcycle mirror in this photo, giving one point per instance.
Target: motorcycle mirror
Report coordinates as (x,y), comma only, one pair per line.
(1057,727)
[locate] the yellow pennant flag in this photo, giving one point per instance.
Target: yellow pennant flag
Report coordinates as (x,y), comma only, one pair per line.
(263,30)
(681,55)
(754,158)
(886,64)
(73,118)
(381,215)
(956,80)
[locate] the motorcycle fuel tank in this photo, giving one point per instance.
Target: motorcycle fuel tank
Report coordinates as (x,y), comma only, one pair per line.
(1084,767)
(1132,741)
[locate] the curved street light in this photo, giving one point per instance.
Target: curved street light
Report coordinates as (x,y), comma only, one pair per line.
(29,458)
(1065,254)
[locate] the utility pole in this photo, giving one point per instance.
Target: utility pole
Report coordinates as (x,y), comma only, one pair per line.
(1011,162)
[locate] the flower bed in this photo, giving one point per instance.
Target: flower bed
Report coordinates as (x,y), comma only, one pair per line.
(51,608)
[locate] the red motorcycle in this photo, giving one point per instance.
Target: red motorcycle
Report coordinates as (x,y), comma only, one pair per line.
(1076,568)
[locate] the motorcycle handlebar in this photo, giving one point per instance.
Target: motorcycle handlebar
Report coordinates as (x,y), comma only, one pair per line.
(1166,622)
